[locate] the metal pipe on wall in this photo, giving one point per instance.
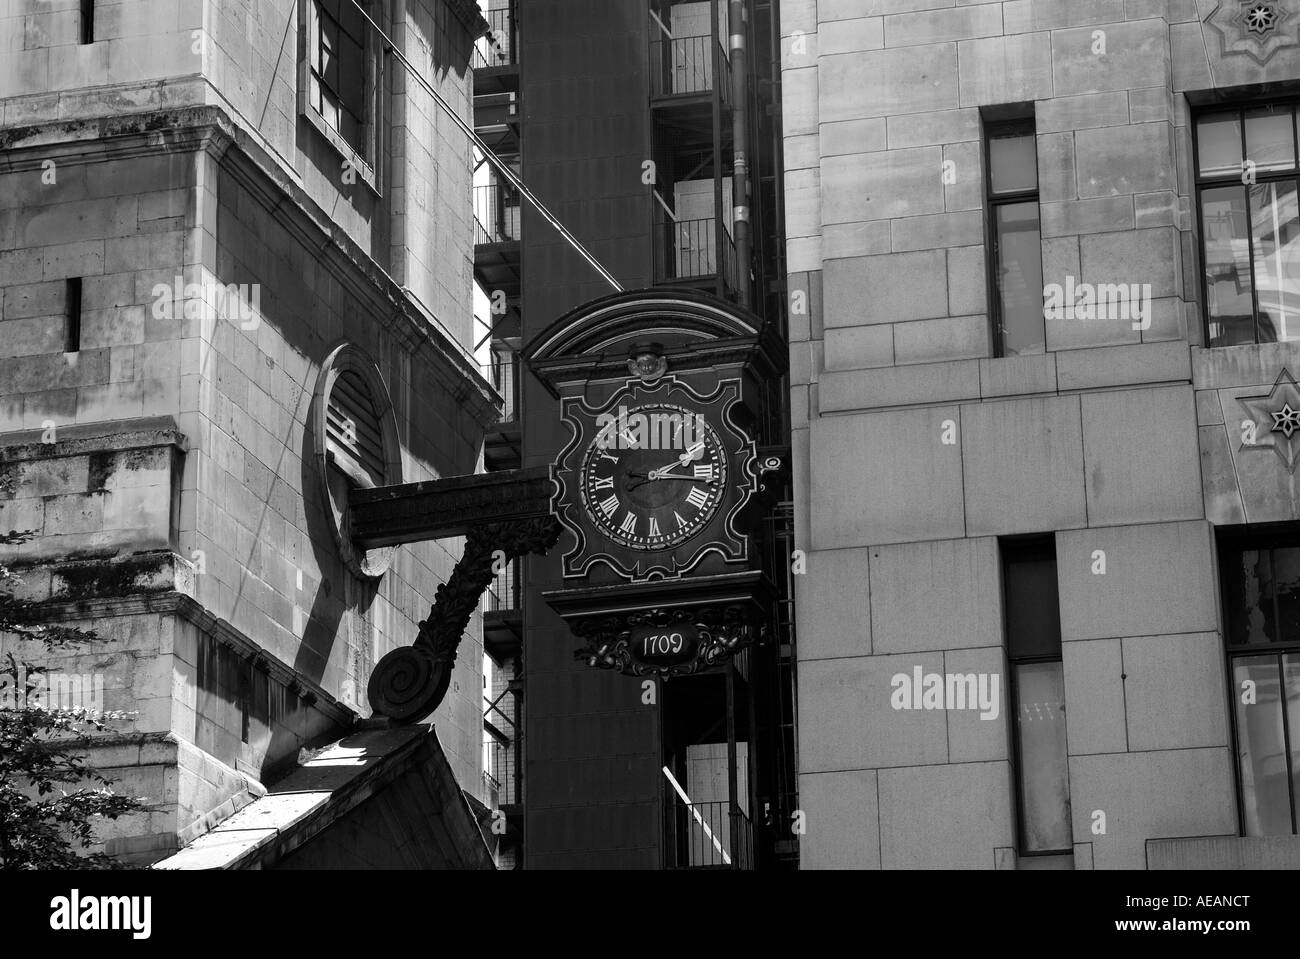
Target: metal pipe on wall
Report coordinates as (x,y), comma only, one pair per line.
(738,23)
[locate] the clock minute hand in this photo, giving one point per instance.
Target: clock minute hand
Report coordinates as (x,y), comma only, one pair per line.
(667,473)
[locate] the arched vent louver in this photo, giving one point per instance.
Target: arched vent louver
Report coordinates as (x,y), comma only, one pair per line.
(354,436)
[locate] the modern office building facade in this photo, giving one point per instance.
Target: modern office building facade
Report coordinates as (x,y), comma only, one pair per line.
(235,275)
(1043,269)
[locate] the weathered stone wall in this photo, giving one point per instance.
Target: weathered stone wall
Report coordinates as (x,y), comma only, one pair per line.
(200,545)
(1094,441)
(244,56)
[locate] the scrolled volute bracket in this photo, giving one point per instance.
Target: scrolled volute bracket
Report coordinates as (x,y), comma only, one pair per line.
(409,683)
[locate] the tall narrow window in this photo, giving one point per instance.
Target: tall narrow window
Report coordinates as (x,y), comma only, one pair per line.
(1015,245)
(1261,602)
(1033,623)
(72,335)
(1247,177)
(337,40)
(87,21)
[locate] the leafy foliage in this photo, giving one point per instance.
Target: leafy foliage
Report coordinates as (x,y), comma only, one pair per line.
(49,797)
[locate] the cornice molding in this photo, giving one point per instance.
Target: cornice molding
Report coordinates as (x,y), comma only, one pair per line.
(113,436)
(172,603)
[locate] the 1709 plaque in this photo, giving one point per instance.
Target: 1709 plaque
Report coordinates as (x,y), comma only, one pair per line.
(664,645)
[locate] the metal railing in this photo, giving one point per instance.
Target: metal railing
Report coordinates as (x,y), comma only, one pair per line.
(493,789)
(499,46)
(499,776)
(704,836)
(500,762)
(685,65)
(688,249)
(502,594)
(496,214)
(503,374)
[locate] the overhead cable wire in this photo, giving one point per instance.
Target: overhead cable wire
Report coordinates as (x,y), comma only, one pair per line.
(497,163)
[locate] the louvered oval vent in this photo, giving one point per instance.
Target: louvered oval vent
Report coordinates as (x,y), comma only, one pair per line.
(353,433)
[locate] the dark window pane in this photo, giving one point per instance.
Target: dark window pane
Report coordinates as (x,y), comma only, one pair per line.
(1218,143)
(350,19)
(1270,140)
(338,59)
(1227,266)
(329,109)
(1286,586)
(1032,609)
(1013,163)
(352,75)
(1044,768)
(329,45)
(1019,267)
(350,129)
(1276,229)
(1261,747)
(1249,597)
(313,37)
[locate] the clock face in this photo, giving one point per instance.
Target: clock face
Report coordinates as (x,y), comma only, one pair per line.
(654,476)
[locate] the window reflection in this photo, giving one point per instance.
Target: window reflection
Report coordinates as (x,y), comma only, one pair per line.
(1275,228)
(1262,596)
(1261,747)
(1218,141)
(1044,765)
(1013,163)
(1270,141)
(1033,625)
(1020,278)
(1229,303)
(1250,224)
(1250,598)
(1017,252)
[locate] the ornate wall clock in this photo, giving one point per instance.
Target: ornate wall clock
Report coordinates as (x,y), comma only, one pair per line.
(647,466)
(660,482)
(654,479)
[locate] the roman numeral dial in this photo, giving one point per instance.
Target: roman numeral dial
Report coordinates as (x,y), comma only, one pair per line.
(654,476)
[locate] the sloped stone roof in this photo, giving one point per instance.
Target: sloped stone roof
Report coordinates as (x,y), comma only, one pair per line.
(391,789)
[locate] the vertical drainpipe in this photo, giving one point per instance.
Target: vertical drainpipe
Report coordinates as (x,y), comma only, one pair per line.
(738,24)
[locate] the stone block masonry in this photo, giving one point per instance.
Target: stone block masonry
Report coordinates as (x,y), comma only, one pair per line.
(166,459)
(922,455)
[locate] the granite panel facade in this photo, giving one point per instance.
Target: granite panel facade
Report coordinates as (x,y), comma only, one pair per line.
(1125,444)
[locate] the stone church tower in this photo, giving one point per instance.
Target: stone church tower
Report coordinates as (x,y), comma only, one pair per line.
(235,277)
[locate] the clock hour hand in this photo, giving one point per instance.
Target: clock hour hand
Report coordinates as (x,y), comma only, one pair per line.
(638,478)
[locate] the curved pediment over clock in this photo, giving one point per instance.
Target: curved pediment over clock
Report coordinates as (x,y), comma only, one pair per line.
(695,331)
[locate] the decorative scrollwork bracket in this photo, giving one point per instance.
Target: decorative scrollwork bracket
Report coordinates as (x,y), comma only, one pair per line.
(409,683)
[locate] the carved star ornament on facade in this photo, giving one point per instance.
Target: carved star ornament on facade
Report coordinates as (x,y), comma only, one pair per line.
(1273,421)
(1256,28)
